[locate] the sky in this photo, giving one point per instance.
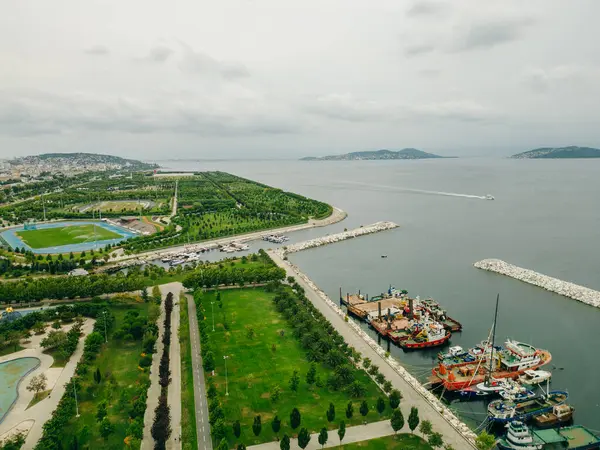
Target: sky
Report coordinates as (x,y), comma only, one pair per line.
(284,78)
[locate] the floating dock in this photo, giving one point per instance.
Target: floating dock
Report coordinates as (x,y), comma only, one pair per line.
(565,288)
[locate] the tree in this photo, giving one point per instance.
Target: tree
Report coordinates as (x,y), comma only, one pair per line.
(285,443)
(37,384)
(435,440)
(237,429)
(56,325)
(241,446)
(485,441)
(250,333)
(323,436)
(342,431)
(102,412)
(311,375)
(223,445)
(380,405)
(413,419)
(161,427)
(257,425)
(395,397)
(156,294)
(349,410)
(145,295)
(39,327)
(294,381)
(208,361)
(331,412)
(397,420)
(275,393)
(366,363)
(54,339)
(295,418)
(303,438)
(218,429)
(276,426)
(356,389)
(106,428)
(97,376)
(364,408)
(426,428)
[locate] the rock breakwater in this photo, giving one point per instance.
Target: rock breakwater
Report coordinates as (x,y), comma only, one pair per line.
(333,238)
(565,288)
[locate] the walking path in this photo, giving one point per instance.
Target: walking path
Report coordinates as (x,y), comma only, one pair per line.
(353,434)
(200,399)
(411,396)
(32,419)
(174,211)
(174,394)
(154,389)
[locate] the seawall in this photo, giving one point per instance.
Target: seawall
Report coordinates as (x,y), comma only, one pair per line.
(565,288)
(333,238)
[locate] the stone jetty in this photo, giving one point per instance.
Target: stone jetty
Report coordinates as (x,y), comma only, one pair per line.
(333,238)
(571,290)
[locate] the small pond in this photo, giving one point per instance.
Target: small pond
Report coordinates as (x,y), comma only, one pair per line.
(11,373)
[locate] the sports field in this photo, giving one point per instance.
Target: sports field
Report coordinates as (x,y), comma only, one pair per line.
(75,234)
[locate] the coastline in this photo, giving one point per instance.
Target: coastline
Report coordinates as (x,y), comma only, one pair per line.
(454,431)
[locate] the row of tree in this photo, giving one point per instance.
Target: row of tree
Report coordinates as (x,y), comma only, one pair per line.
(161,427)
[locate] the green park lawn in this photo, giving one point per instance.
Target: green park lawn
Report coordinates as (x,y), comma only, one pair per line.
(398,442)
(75,234)
(118,363)
(269,359)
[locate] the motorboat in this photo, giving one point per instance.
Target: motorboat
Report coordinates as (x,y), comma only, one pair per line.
(535,377)
(489,197)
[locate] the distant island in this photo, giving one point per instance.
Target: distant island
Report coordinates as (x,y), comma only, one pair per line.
(559,153)
(406,153)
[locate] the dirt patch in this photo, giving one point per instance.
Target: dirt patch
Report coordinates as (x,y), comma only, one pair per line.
(265,395)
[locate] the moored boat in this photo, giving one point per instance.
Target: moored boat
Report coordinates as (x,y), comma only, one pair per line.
(534,377)
(519,437)
(559,416)
(424,334)
(503,411)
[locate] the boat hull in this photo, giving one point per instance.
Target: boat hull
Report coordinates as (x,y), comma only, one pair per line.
(407,344)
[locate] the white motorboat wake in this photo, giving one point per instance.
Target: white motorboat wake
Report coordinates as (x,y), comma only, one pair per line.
(422,191)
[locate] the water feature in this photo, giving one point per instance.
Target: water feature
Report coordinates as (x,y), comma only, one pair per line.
(11,374)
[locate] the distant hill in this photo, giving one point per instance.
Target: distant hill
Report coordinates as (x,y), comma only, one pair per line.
(559,153)
(85,159)
(406,153)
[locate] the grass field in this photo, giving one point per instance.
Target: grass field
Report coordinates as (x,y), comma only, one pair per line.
(398,442)
(188,418)
(118,363)
(75,234)
(256,365)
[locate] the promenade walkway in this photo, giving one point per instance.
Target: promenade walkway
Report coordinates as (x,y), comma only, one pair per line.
(411,396)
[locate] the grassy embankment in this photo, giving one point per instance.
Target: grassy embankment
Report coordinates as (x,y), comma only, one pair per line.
(398,442)
(118,364)
(256,365)
(188,421)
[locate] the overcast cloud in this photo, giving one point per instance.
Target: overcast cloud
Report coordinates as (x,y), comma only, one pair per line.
(266,78)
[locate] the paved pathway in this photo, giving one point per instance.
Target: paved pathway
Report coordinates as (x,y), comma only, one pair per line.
(353,434)
(35,417)
(154,389)
(200,399)
(411,396)
(174,394)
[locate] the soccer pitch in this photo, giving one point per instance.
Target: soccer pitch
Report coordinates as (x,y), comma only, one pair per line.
(74,234)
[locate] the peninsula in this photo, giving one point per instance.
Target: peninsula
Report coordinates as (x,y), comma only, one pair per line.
(559,153)
(373,155)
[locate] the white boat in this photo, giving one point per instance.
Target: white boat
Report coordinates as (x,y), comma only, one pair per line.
(489,197)
(177,262)
(534,377)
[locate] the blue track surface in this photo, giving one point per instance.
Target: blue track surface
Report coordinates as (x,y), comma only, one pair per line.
(14,241)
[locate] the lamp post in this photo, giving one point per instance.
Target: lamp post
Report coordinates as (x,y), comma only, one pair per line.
(225,357)
(212,304)
(75,392)
(105,335)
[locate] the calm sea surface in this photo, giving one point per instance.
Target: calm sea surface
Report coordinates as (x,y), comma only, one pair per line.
(546,217)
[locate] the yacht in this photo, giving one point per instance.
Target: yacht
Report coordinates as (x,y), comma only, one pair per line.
(519,437)
(534,377)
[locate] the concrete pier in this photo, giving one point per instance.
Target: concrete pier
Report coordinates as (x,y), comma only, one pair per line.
(571,290)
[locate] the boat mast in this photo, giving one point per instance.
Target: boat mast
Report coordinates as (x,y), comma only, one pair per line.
(493,341)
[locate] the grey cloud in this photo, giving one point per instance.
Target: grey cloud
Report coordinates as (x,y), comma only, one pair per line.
(97,50)
(542,80)
(346,107)
(418,49)
(159,54)
(492,33)
(202,64)
(427,8)
(35,113)
(462,110)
